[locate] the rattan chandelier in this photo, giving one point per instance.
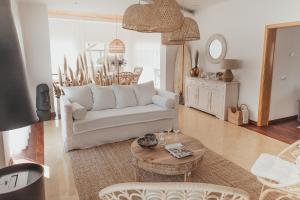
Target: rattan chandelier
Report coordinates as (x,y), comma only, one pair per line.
(160,17)
(188,32)
(138,17)
(166,41)
(116,46)
(167,16)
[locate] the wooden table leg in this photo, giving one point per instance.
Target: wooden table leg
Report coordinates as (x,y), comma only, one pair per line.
(187,177)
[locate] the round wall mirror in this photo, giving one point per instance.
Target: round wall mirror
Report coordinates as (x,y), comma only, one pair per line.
(216,48)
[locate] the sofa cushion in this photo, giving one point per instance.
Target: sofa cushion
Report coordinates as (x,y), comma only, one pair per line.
(125,96)
(144,93)
(81,95)
(163,101)
(78,111)
(103,97)
(95,120)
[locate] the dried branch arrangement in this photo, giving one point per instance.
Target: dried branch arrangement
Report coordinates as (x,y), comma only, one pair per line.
(85,73)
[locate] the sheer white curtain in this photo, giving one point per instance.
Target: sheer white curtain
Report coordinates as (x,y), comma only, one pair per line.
(147,55)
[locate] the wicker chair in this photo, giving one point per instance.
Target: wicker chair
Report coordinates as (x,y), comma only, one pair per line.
(137,71)
(285,191)
(171,191)
(126,78)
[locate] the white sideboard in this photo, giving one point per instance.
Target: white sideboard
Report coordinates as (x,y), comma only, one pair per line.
(213,97)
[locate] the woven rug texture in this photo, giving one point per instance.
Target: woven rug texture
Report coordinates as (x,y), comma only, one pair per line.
(109,164)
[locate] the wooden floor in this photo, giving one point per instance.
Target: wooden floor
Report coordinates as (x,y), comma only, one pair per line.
(287,131)
(35,149)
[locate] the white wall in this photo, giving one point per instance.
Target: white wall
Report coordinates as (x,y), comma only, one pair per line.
(286,74)
(35,34)
(242,23)
(69,37)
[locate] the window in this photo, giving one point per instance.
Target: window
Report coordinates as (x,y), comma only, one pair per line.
(147,55)
(96,52)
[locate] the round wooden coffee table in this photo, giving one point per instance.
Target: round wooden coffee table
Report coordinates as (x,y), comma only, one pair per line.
(160,161)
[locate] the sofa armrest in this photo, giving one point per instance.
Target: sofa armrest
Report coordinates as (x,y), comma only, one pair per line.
(168,94)
(66,121)
(175,97)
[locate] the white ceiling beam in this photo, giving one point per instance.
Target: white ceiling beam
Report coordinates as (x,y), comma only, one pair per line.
(89,16)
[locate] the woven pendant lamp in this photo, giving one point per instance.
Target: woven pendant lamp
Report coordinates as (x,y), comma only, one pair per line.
(167,16)
(188,32)
(138,17)
(116,46)
(165,40)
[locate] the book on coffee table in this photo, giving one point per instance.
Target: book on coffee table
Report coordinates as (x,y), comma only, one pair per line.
(177,150)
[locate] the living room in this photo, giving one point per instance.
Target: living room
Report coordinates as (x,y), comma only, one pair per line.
(155,99)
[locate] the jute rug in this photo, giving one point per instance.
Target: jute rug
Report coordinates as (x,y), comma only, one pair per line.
(109,164)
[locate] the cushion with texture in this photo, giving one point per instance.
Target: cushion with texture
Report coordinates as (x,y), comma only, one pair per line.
(103,97)
(125,96)
(276,169)
(163,101)
(81,95)
(78,111)
(144,93)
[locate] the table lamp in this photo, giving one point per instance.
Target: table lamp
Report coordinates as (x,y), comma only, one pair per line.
(24,181)
(228,65)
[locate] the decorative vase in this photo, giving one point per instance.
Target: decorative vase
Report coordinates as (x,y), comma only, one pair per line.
(195,72)
(228,76)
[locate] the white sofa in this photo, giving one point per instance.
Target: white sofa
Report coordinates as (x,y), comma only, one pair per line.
(119,122)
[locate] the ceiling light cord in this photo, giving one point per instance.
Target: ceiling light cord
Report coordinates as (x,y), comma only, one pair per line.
(116,27)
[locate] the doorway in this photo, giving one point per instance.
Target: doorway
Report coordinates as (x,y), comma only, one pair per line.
(267,71)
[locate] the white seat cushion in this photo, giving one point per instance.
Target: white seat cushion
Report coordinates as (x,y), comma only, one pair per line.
(81,95)
(95,120)
(103,97)
(144,93)
(125,96)
(276,169)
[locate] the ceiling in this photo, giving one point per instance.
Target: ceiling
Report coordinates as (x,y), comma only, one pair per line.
(113,6)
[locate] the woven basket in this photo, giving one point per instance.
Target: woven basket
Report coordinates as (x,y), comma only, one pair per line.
(235,116)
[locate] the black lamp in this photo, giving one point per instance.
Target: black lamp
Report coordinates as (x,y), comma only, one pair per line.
(23,181)
(16,109)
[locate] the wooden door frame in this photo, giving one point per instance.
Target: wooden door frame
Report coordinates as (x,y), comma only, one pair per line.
(267,70)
